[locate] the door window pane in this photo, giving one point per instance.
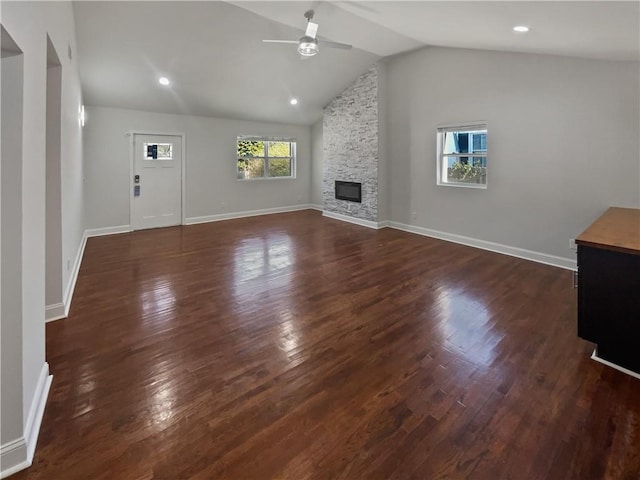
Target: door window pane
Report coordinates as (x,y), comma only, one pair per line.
(158,151)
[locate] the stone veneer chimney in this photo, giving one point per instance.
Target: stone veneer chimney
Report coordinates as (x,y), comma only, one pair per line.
(351,146)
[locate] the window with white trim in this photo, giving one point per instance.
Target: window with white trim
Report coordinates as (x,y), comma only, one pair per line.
(266,157)
(462,155)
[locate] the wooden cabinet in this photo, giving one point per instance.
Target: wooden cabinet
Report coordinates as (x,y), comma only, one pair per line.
(609,286)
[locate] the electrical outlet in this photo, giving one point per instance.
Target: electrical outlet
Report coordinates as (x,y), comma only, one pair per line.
(572,244)
(414,215)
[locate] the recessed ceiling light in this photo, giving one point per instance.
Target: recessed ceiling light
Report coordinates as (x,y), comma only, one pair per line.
(164,81)
(293,101)
(521,29)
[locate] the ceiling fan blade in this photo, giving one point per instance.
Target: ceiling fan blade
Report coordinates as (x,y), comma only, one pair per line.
(342,46)
(281,41)
(312,30)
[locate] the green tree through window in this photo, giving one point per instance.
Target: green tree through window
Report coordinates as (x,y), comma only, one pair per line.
(265,158)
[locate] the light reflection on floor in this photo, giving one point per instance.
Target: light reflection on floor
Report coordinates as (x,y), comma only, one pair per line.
(158,297)
(257,257)
(161,405)
(463,319)
(289,335)
(261,262)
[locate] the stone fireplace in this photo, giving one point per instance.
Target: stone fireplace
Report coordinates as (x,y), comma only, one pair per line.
(351,150)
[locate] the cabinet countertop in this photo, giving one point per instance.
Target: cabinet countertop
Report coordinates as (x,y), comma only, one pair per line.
(618,229)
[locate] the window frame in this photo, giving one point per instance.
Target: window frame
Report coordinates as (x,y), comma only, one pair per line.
(266,158)
(441,156)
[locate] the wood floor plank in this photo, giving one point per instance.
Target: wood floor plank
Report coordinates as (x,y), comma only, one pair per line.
(295,346)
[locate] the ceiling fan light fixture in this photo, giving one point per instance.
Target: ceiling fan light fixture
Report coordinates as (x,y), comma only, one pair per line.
(308,46)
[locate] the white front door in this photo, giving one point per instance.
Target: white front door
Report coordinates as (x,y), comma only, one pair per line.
(157,181)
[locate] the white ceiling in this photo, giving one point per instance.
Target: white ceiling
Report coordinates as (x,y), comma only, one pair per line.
(214,55)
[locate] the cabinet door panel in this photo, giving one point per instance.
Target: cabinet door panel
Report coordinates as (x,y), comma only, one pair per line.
(608,295)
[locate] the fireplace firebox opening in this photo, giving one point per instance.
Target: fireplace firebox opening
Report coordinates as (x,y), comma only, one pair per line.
(350,191)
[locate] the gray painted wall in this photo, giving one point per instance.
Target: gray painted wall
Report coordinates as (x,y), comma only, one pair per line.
(11,423)
(29,23)
(383,141)
(562,139)
(211,185)
(350,139)
(317,163)
(53,222)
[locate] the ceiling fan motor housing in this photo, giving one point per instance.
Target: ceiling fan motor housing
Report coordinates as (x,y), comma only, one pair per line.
(308,46)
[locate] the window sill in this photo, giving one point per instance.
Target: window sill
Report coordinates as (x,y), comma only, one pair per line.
(261,179)
(464,185)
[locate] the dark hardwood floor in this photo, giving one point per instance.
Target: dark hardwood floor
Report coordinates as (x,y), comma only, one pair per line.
(294,346)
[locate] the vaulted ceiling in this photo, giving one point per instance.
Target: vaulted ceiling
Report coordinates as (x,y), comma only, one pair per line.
(214,56)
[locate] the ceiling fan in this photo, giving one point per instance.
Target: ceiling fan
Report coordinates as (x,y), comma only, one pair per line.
(308,43)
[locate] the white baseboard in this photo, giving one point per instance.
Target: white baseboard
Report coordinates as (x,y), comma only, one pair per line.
(54,312)
(36,411)
(71,286)
(314,206)
(247,213)
(59,311)
(18,454)
(13,457)
(354,220)
(594,356)
(552,260)
(98,232)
